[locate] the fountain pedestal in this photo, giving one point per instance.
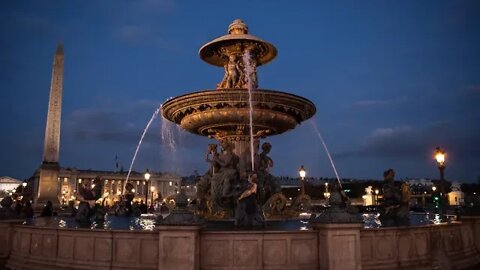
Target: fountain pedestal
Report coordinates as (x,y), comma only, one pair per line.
(179,247)
(339,246)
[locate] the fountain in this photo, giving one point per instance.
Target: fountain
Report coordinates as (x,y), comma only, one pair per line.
(237,114)
(223,113)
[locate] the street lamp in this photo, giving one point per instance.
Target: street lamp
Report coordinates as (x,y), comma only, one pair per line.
(376,196)
(434,188)
(302,173)
(152,189)
(326,194)
(147,177)
(440,158)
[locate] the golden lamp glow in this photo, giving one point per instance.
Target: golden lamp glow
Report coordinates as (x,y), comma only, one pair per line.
(440,156)
(302,172)
(147,175)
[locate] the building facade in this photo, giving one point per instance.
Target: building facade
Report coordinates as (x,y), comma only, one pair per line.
(158,187)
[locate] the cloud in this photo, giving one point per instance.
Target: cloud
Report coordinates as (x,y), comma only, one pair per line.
(377,103)
(473,89)
(409,141)
(20,21)
(110,123)
(156,6)
(122,124)
(133,34)
(145,35)
(369,103)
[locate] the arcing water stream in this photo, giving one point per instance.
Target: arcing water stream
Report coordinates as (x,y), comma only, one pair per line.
(140,143)
(314,125)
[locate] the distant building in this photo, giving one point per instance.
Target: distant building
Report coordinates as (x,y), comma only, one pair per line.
(159,186)
(456,196)
(7,184)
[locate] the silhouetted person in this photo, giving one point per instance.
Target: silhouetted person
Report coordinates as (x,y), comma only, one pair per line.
(151,208)
(47,210)
(143,207)
(28,210)
(18,207)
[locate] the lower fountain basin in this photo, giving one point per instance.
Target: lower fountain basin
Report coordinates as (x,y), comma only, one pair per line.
(148,223)
(454,244)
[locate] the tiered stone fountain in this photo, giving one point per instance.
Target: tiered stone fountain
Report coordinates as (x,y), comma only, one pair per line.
(223,113)
(237,113)
(334,242)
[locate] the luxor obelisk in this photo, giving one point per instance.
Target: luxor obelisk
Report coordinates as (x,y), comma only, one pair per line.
(48,186)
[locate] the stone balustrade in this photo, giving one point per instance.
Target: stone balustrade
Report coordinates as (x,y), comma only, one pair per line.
(449,245)
(259,250)
(330,246)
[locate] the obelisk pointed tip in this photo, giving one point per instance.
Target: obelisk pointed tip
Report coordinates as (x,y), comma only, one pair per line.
(59,50)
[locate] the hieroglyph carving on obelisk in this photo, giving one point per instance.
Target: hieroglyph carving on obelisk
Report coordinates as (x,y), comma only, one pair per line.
(52,130)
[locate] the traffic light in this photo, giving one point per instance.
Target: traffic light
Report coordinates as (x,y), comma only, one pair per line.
(436,201)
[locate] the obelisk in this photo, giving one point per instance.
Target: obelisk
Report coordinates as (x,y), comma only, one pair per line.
(48,184)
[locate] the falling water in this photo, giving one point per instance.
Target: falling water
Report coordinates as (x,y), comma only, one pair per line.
(326,150)
(249,72)
(140,143)
(168,134)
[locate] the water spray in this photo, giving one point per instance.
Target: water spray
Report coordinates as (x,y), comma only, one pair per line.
(154,115)
(328,152)
(249,72)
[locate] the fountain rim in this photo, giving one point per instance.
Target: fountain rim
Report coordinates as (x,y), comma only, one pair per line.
(214,92)
(236,90)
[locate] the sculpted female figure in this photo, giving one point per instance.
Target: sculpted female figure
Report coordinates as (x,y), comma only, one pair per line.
(225,178)
(247,212)
(204,185)
(267,184)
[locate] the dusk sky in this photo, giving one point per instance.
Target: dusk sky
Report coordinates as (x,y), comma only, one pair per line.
(391,80)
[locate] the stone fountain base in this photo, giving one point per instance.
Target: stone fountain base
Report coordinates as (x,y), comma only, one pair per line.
(327,246)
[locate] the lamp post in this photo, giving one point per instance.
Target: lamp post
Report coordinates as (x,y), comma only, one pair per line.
(376,196)
(326,194)
(147,177)
(152,189)
(440,159)
(302,173)
(24,185)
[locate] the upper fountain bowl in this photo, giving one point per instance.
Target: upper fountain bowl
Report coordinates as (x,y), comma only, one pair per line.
(235,43)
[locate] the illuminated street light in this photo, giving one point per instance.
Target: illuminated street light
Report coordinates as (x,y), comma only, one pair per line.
(440,159)
(434,188)
(302,173)
(147,177)
(152,189)
(24,184)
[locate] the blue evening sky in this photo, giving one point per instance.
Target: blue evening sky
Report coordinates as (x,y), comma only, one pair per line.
(391,80)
